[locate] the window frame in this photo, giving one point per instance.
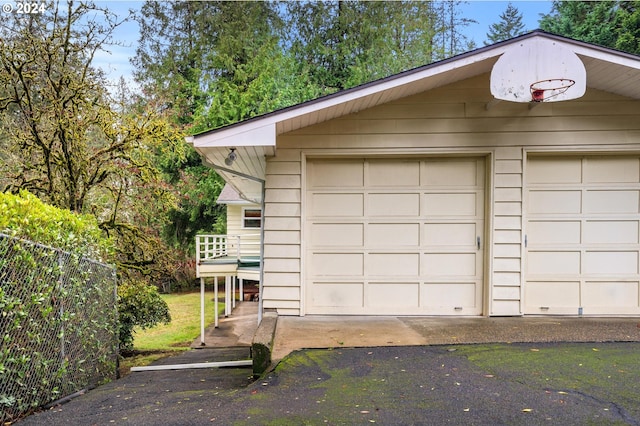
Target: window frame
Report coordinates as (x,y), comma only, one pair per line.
(257,219)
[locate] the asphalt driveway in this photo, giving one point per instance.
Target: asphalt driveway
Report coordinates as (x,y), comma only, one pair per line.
(520,383)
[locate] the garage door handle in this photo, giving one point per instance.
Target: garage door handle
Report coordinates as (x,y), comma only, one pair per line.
(478,242)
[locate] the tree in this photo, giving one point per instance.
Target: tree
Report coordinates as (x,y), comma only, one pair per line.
(60,132)
(509,26)
(628,21)
(74,144)
(343,44)
(614,24)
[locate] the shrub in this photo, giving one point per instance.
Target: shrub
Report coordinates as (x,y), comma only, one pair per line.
(139,304)
(25,216)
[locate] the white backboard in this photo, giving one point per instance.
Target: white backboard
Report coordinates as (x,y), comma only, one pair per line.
(544,62)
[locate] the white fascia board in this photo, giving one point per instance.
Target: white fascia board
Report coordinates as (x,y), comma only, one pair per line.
(251,134)
(387,85)
(611,57)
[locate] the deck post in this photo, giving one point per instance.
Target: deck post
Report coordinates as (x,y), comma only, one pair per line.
(227,310)
(234,280)
(215,301)
(202,312)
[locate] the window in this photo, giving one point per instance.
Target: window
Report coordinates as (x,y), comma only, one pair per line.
(251,218)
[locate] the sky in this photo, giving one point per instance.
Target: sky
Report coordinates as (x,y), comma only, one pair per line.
(116,63)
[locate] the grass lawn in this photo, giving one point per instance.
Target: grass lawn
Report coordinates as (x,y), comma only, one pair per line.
(165,339)
(184,327)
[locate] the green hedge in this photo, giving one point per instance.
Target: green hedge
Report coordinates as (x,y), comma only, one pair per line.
(25,216)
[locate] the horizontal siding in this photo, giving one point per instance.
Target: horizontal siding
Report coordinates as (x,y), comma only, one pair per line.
(434,142)
(281,288)
(234,222)
(507,221)
(452,119)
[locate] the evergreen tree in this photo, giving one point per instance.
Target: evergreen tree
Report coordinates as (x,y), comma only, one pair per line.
(342,44)
(628,30)
(590,21)
(509,26)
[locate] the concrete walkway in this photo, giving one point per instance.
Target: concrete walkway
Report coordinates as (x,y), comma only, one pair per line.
(236,330)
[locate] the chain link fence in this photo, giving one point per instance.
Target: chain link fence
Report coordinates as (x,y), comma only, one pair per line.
(58,325)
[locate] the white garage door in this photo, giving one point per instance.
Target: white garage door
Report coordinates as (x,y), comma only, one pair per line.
(582,235)
(394,236)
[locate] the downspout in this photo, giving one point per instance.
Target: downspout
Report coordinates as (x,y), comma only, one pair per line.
(262,206)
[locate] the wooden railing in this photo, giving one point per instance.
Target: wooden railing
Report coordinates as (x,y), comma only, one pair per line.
(211,247)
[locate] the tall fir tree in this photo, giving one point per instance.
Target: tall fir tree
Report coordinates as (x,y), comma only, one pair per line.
(509,26)
(614,24)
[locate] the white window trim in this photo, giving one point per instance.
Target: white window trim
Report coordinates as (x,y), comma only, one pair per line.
(243,218)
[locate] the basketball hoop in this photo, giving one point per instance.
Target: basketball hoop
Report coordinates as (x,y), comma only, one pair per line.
(545,89)
(556,71)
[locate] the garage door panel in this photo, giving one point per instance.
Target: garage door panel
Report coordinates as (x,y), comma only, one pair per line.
(565,294)
(336,205)
(610,294)
(449,264)
(553,263)
(554,170)
(611,232)
(450,294)
(554,232)
(396,294)
(555,202)
(612,202)
(337,234)
(450,234)
(393,264)
(395,173)
(451,173)
(337,264)
(611,262)
(451,205)
(335,173)
(384,205)
(398,234)
(337,294)
(612,170)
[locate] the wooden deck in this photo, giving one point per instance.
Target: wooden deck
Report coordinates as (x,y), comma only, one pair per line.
(234,257)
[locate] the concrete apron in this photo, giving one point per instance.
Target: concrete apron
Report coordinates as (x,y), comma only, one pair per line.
(308,332)
(285,334)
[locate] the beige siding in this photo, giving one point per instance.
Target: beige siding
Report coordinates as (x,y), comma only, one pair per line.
(282,234)
(234,221)
(505,283)
(451,120)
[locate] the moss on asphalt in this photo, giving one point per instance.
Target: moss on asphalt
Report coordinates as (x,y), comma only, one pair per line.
(355,386)
(607,372)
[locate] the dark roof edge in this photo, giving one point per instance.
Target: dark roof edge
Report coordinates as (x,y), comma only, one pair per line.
(420,69)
